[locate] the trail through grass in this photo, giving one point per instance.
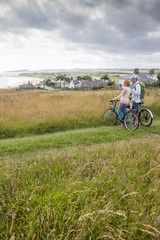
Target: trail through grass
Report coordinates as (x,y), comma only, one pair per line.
(73,138)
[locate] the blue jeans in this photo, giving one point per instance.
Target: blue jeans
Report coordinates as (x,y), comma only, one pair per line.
(135,107)
(122,108)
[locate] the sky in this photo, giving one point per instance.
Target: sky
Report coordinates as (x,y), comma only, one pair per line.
(68,34)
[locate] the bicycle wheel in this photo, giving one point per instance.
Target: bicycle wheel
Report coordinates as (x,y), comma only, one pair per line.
(110,117)
(145,117)
(131,121)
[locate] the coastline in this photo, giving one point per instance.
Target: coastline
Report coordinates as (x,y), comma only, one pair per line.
(14,81)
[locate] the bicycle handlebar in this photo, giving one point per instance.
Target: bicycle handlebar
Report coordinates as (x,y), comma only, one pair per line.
(114,100)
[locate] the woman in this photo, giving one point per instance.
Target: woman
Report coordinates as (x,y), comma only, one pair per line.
(124,96)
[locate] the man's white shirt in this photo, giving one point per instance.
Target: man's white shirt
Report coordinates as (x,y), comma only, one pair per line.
(136,92)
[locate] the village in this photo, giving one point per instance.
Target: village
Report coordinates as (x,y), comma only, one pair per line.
(78,83)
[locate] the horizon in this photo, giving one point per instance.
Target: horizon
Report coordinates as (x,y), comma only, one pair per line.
(71,69)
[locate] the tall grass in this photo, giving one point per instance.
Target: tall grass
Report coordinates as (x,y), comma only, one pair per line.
(42,111)
(100,192)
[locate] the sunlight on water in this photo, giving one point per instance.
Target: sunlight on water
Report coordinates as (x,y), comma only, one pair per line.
(15,81)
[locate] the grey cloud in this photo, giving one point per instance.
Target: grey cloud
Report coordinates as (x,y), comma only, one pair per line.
(124,27)
(90,3)
(151,8)
(22,17)
(73,20)
(33,17)
(121,25)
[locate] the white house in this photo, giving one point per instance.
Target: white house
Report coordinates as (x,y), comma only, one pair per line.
(74,83)
(64,84)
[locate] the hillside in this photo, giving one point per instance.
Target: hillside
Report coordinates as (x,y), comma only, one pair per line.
(95,182)
(83,184)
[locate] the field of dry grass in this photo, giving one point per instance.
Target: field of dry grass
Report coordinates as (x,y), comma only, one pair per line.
(44,111)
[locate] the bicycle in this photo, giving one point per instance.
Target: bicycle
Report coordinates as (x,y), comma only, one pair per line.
(112,114)
(145,116)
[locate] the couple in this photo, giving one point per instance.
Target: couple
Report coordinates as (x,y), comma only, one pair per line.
(125,94)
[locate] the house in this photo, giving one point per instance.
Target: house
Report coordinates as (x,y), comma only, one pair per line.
(99,82)
(87,83)
(58,83)
(61,83)
(148,78)
(64,84)
(42,84)
(74,83)
(27,86)
(54,80)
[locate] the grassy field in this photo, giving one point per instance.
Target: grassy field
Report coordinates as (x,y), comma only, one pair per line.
(97,182)
(37,112)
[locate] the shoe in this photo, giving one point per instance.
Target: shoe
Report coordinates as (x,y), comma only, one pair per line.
(122,125)
(135,123)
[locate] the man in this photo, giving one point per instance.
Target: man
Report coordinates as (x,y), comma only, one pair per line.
(136,92)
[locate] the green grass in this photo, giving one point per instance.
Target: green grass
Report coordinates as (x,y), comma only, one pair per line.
(87,136)
(86,184)
(98,183)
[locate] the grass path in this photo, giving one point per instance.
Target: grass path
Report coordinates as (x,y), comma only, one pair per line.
(93,183)
(101,191)
(86,136)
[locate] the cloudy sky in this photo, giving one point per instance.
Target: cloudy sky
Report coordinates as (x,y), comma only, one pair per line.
(43,34)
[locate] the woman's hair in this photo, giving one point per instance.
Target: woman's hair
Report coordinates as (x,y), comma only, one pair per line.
(127,83)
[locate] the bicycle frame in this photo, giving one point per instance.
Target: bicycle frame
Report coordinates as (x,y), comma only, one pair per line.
(141,107)
(129,119)
(117,111)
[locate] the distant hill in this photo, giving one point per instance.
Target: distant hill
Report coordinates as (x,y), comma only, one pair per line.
(16,72)
(21,70)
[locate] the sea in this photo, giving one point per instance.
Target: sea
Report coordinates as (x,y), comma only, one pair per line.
(10,80)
